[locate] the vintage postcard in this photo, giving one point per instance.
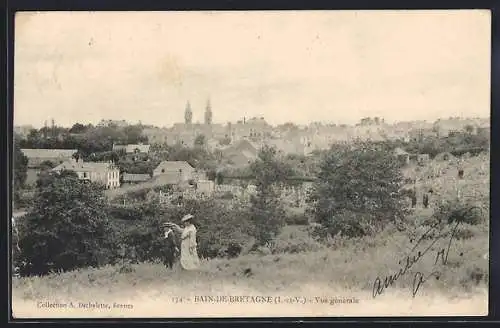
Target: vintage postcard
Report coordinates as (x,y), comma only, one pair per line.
(251,164)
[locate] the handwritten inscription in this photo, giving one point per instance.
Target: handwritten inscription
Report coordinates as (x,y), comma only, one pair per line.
(415,255)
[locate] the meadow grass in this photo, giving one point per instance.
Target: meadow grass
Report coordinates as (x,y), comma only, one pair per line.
(341,270)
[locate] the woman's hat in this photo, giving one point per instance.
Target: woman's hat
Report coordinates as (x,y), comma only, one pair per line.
(187,217)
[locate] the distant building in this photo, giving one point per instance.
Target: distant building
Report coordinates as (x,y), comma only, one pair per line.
(133,148)
(423,159)
(23,131)
(105,173)
(55,156)
(254,127)
(180,170)
(206,187)
(38,156)
(402,156)
(110,123)
(241,153)
(185,133)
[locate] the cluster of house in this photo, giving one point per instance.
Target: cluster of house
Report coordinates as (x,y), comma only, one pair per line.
(106,173)
(289,138)
(245,137)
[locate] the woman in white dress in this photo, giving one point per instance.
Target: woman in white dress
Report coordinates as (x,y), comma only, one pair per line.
(189,253)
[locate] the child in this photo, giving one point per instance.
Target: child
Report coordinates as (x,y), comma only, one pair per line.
(171,250)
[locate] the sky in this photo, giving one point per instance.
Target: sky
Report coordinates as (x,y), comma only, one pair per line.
(335,66)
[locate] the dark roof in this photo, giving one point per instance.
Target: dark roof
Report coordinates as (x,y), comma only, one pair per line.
(73,165)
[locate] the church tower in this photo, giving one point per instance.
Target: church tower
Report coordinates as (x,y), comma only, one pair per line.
(188,114)
(208,113)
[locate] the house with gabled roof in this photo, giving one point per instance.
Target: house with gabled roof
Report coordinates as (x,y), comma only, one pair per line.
(105,173)
(181,169)
(36,157)
(241,153)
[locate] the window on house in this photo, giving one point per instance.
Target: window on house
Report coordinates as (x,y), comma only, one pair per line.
(162,170)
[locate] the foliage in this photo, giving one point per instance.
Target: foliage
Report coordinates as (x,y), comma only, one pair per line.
(200,140)
(358,186)
(67,227)
(86,138)
(457,144)
(457,210)
(20,167)
(79,128)
(294,240)
(137,167)
(220,228)
(267,213)
(225,141)
(297,219)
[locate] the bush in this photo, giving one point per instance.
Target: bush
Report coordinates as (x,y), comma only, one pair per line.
(122,212)
(347,224)
(358,187)
(222,230)
(294,241)
(67,228)
(227,195)
(459,211)
(297,219)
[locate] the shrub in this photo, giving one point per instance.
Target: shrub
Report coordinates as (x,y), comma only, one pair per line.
(267,213)
(67,228)
(122,212)
(227,195)
(222,230)
(297,219)
(457,210)
(347,224)
(358,186)
(294,241)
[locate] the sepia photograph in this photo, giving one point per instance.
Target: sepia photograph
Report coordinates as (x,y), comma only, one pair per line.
(236,164)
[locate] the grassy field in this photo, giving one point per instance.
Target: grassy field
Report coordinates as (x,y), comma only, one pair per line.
(345,269)
(299,267)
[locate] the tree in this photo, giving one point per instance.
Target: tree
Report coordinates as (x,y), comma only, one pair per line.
(78,128)
(469,129)
(357,190)
(267,214)
(200,141)
(20,168)
(67,227)
(225,141)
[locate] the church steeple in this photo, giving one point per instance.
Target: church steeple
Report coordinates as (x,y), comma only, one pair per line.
(188,114)
(208,113)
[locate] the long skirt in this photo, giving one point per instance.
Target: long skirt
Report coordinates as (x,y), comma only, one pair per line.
(189,256)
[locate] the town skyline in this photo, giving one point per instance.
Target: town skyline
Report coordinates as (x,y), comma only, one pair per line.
(48,122)
(336,66)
